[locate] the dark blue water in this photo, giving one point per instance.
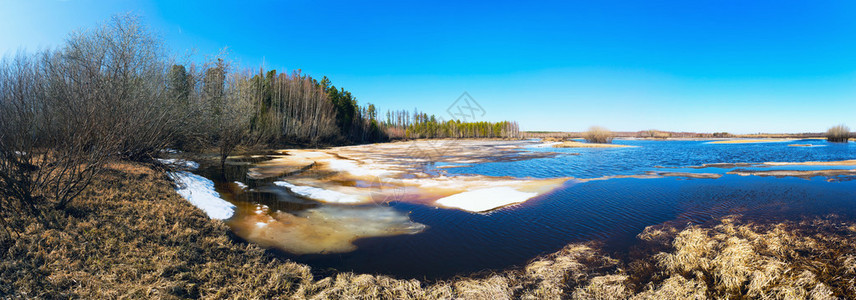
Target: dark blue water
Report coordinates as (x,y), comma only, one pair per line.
(598,162)
(611,211)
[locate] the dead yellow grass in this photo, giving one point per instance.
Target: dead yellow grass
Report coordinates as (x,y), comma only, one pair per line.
(131,235)
(130,169)
(603,287)
(780,261)
(675,287)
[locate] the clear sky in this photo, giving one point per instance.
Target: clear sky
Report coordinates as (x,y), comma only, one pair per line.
(737,66)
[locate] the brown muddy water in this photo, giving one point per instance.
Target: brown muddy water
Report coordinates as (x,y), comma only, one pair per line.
(432,210)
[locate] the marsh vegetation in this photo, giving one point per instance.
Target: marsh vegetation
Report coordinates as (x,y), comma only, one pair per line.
(838,134)
(597,134)
(174,250)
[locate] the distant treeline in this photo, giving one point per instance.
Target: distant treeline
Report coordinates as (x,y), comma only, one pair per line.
(419,125)
(667,134)
(271,108)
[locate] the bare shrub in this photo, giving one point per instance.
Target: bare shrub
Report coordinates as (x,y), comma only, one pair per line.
(597,134)
(656,134)
(121,66)
(51,143)
(838,134)
(227,108)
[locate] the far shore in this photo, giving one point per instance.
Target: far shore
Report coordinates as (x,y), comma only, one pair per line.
(675,135)
(575,144)
(752,141)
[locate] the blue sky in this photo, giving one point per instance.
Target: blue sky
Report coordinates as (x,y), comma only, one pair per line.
(737,66)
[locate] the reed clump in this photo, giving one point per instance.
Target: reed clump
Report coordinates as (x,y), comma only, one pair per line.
(838,134)
(777,261)
(597,134)
(655,134)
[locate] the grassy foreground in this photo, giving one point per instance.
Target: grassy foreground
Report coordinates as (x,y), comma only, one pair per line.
(130,235)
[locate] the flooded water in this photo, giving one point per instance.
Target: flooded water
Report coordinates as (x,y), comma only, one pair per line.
(612,210)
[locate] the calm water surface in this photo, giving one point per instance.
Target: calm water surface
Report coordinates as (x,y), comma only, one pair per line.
(611,211)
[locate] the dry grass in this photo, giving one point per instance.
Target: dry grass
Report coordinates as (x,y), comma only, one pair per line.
(675,287)
(597,134)
(778,261)
(603,287)
(131,236)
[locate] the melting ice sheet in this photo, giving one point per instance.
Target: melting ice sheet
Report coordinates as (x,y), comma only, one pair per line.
(319,194)
(485,199)
(379,173)
(325,229)
(348,188)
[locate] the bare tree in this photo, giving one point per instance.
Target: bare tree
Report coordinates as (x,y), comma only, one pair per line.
(52,141)
(64,113)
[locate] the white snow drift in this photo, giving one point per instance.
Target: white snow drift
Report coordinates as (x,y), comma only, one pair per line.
(200,192)
(485,199)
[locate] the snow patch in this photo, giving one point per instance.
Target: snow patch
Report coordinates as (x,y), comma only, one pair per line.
(200,192)
(543,145)
(241,185)
(342,165)
(319,194)
(485,199)
(190,165)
